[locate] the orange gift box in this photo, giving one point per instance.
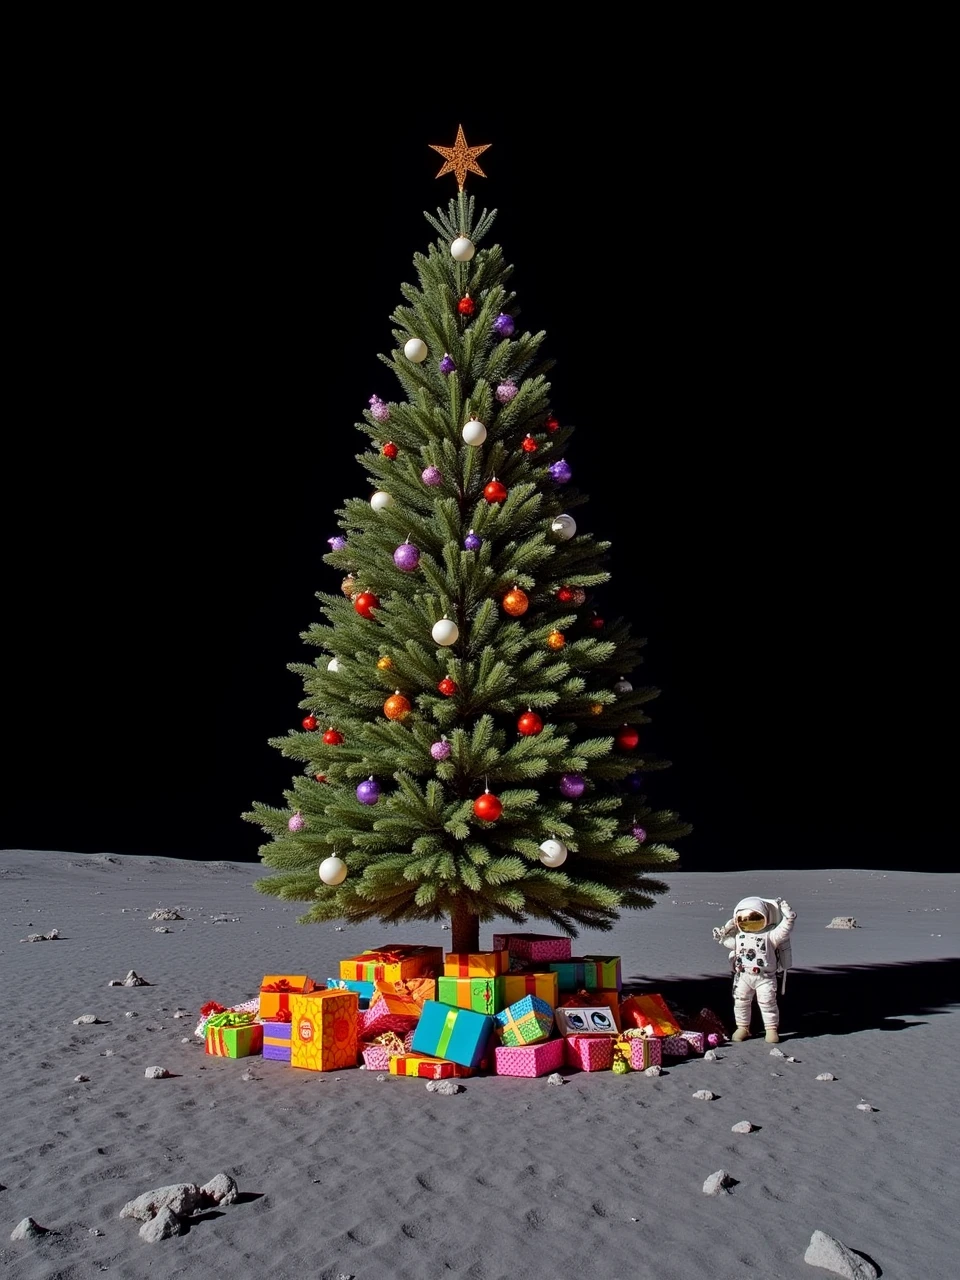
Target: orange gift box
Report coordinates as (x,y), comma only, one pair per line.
(475,964)
(276,990)
(649,1010)
(392,964)
(323,1030)
(416,989)
(425,1066)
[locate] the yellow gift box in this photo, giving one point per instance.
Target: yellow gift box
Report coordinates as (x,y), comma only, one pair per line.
(394,964)
(323,1030)
(475,964)
(544,985)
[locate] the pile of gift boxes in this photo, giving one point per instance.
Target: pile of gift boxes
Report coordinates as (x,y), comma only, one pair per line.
(527,1007)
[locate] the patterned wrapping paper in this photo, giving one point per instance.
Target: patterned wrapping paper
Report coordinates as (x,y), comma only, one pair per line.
(697,1041)
(524,1022)
(533,947)
(276,1041)
(323,1034)
(364,990)
(388,1013)
(675,1046)
(518,985)
(709,1023)
(485,995)
(419,990)
(592,973)
(433,956)
(475,964)
(649,1010)
(277,988)
(391,965)
(234,1042)
(641,1051)
(423,1066)
(589,1053)
(377,1053)
(459,1035)
(528,1059)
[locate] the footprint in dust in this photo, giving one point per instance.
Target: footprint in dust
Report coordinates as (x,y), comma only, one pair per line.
(534,1218)
(411,1230)
(424,1182)
(358,1236)
(598,1209)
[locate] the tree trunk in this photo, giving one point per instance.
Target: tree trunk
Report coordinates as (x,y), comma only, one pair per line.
(465,929)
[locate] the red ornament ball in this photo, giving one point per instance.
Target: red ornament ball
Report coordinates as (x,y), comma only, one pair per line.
(447,687)
(495,491)
(565,595)
(309,722)
(333,737)
(397,707)
(365,604)
(529,445)
(390,450)
(596,622)
(516,602)
(552,423)
(466,306)
(529,724)
(487,807)
(627,738)
(320,777)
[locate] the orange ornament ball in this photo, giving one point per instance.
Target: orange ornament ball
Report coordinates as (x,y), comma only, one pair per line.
(365,604)
(487,807)
(348,585)
(397,707)
(556,640)
(596,708)
(516,602)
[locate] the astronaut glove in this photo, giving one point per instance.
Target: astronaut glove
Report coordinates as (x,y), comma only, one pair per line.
(786,909)
(718,934)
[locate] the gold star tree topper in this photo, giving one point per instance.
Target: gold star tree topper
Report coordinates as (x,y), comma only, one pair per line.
(460,159)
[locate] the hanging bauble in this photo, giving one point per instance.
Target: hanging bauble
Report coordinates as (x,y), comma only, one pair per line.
(639,834)
(516,602)
(565,594)
(445,632)
(447,364)
(596,708)
(365,604)
(397,707)
(627,738)
(440,750)
(572,785)
(337,542)
(462,249)
(633,783)
(504,326)
(466,306)
(447,687)
(333,871)
(556,640)
(529,724)
(597,623)
(406,557)
(472,542)
(623,686)
(553,853)
(506,391)
(552,423)
(564,527)
(390,450)
(385,663)
(369,792)
(560,471)
(332,737)
(320,777)
(528,444)
(579,597)
(474,433)
(296,823)
(431,476)
(495,491)
(379,411)
(309,722)
(333,665)
(415,349)
(349,585)
(487,807)
(380,499)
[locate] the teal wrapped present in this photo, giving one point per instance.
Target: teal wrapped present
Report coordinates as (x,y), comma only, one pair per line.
(587,973)
(526,1021)
(363,989)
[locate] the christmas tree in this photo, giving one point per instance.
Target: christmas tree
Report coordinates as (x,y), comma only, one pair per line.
(471,745)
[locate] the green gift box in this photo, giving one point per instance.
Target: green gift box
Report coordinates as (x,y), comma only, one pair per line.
(485,995)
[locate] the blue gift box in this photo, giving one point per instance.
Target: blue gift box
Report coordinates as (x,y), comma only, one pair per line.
(364,990)
(459,1035)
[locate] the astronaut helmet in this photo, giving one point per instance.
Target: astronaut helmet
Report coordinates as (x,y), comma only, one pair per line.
(750,915)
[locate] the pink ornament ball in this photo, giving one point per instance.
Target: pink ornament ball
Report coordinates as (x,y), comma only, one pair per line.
(379,410)
(406,557)
(440,750)
(713,1040)
(506,391)
(296,823)
(431,476)
(639,834)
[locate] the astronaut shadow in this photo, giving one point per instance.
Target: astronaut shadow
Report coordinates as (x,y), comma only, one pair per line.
(836,1000)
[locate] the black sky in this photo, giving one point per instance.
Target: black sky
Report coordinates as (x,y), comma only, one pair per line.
(212,294)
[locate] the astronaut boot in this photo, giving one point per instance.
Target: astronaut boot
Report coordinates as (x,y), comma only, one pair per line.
(741,1033)
(772,1036)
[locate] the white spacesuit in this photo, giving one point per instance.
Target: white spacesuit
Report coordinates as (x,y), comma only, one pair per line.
(757,928)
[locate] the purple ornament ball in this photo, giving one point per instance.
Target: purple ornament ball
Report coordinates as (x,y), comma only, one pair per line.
(337,543)
(379,410)
(431,476)
(506,391)
(368,792)
(560,471)
(440,750)
(572,786)
(503,325)
(472,542)
(406,557)
(639,834)
(447,364)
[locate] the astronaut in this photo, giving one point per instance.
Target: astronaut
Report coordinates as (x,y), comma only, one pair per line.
(757,929)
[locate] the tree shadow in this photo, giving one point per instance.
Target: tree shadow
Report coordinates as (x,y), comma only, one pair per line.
(835,1000)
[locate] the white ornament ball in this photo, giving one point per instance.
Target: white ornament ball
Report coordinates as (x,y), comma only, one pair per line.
(380,500)
(474,432)
(623,686)
(553,853)
(415,349)
(333,665)
(564,527)
(445,631)
(333,871)
(463,249)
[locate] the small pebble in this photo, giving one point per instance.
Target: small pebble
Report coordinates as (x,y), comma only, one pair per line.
(826,1075)
(865,1106)
(704,1095)
(717,1182)
(555,1078)
(743,1126)
(777,1053)
(85,1020)
(157,1073)
(131,1014)
(711,1056)
(81,1079)
(653,1071)
(381,1077)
